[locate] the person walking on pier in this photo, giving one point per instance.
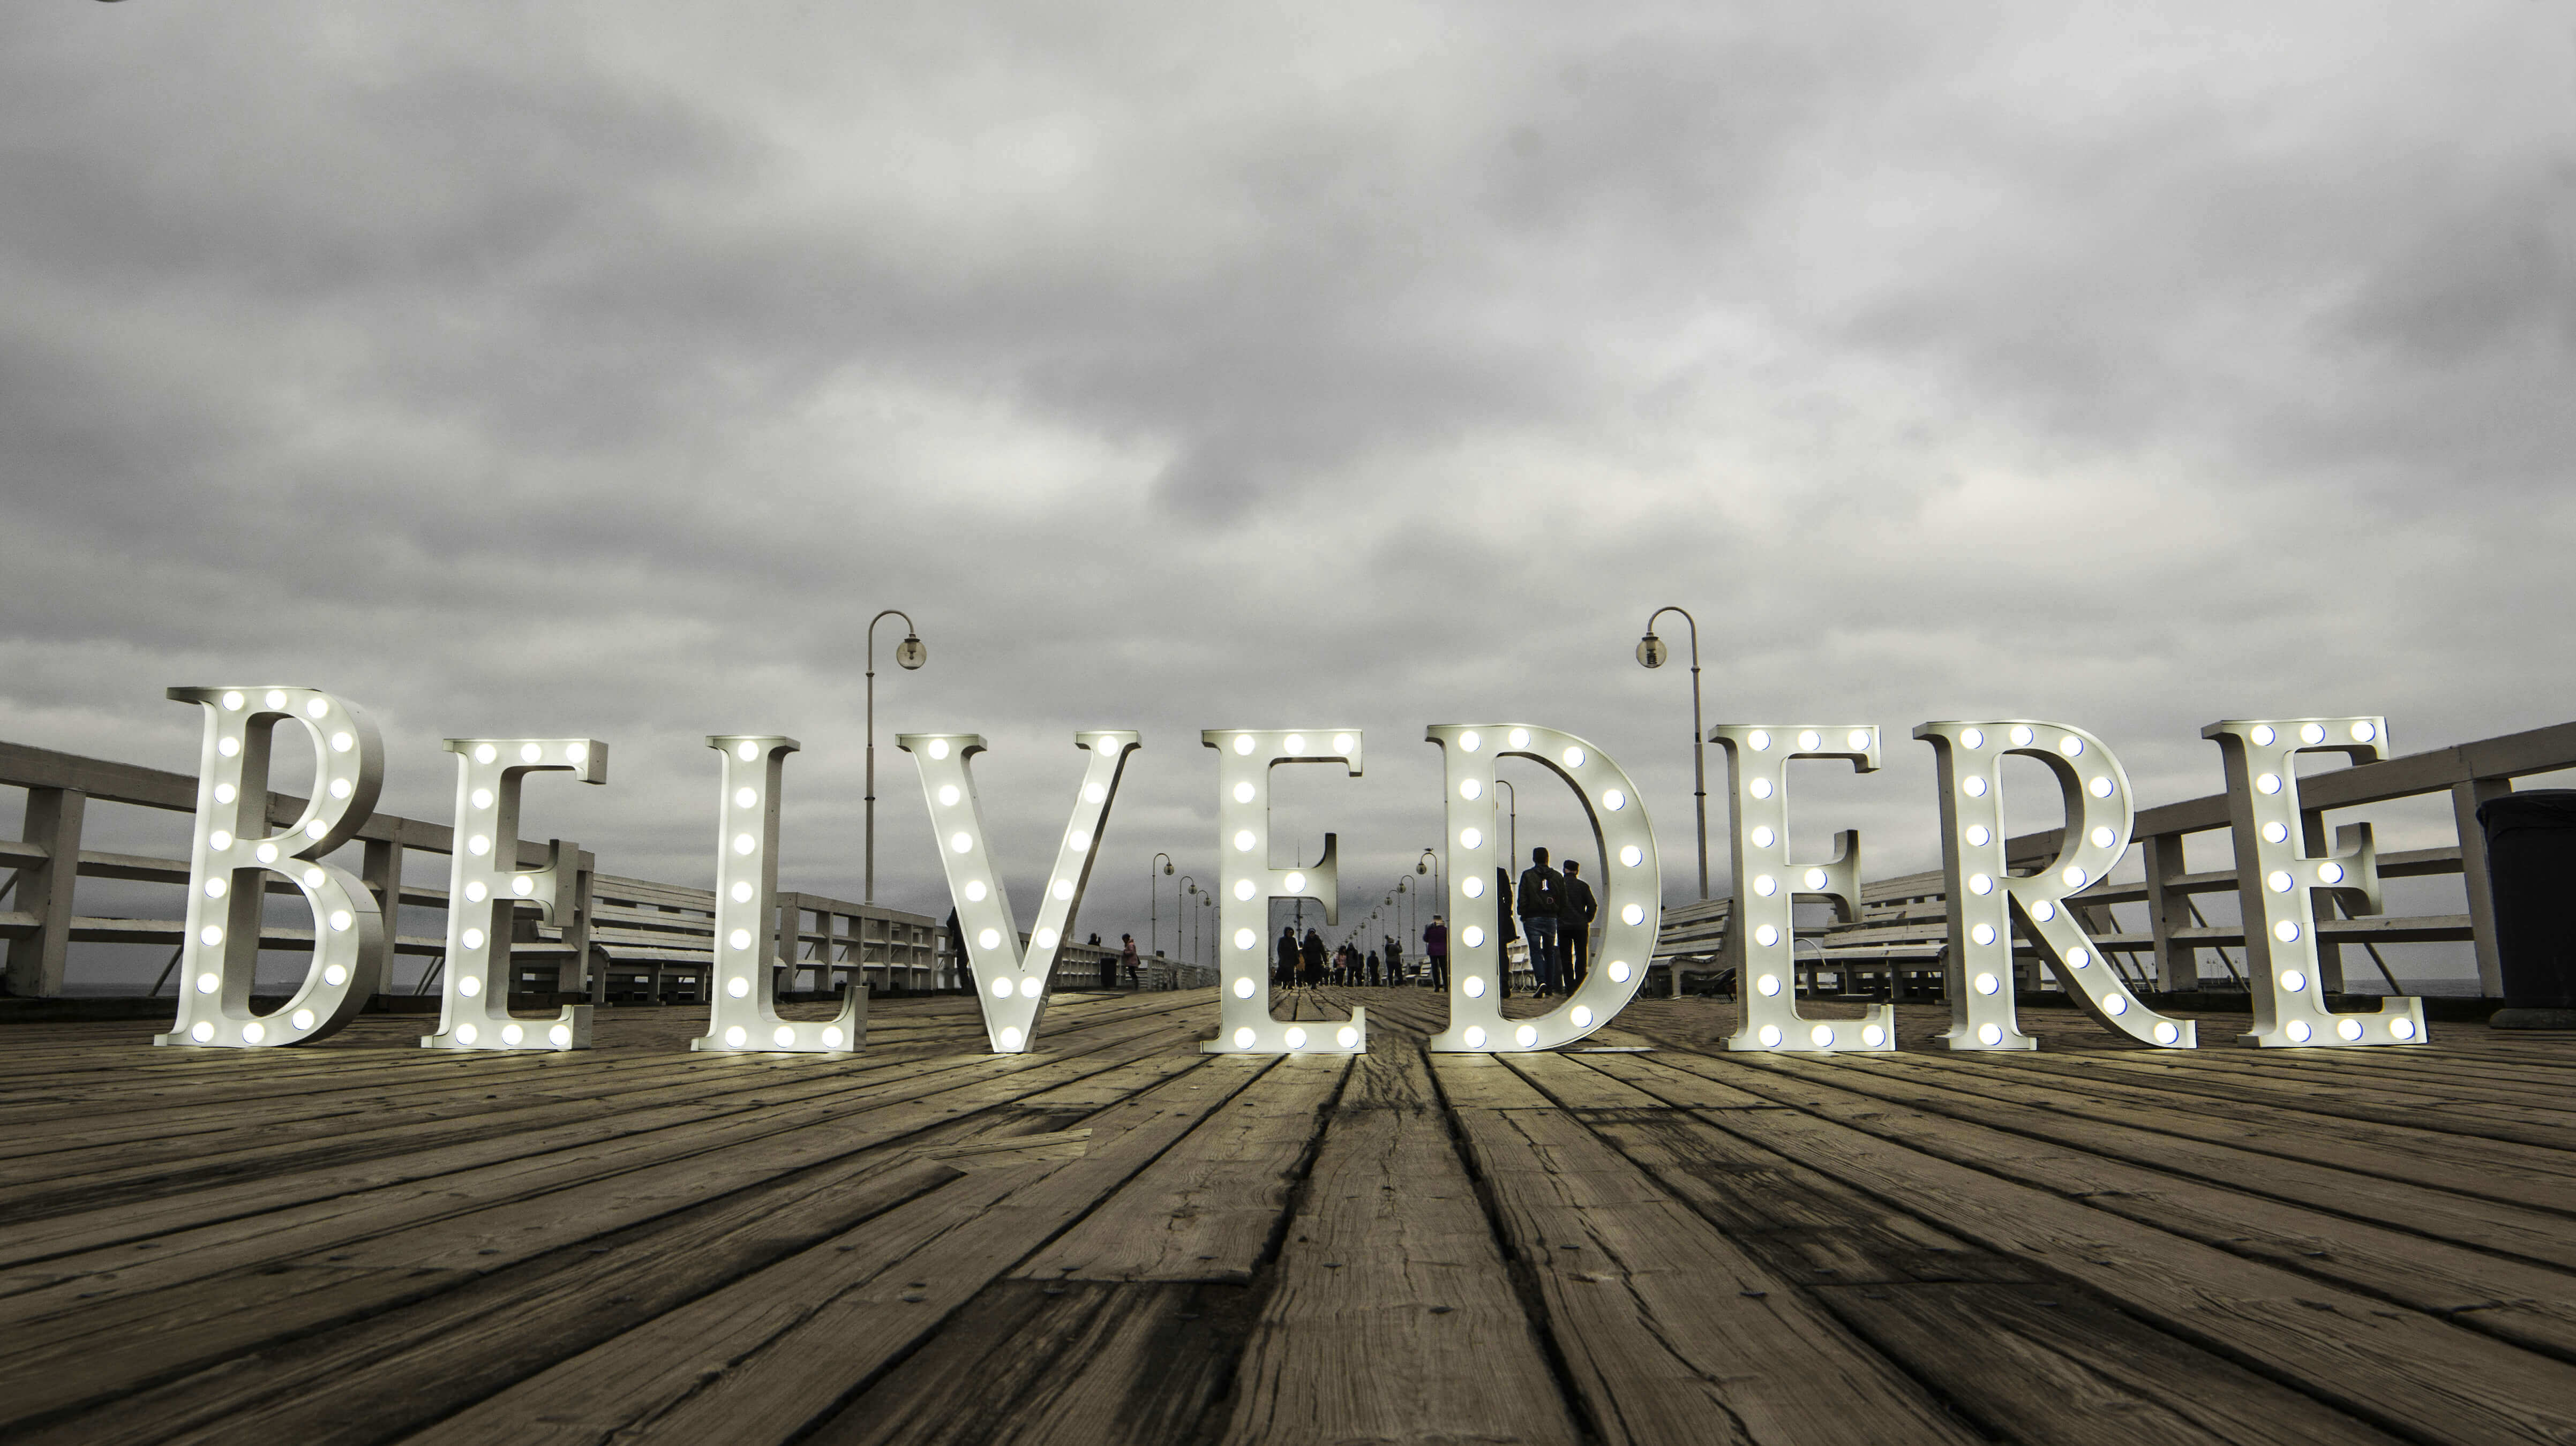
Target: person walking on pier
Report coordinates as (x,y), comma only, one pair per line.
(1376,971)
(1435,951)
(1313,951)
(1394,961)
(1542,903)
(1574,926)
(1285,975)
(1126,959)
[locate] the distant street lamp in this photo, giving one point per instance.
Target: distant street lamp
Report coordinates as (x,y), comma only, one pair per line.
(1505,785)
(1429,863)
(1651,652)
(1154,919)
(911,653)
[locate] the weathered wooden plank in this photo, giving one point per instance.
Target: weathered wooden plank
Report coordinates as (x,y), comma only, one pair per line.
(535,1300)
(1393,1317)
(1075,1363)
(1208,1208)
(772,1354)
(2400,1370)
(1667,1330)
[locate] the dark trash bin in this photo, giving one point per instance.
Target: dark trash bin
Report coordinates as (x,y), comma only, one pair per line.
(2531,871)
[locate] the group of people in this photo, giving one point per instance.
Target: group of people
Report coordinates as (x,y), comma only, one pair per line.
(1553,910)
(1296,961)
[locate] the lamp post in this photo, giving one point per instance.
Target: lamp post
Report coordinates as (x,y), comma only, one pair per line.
(911,653)
(1154,917)
(1207,901)
(1189,889)
(1429,863)
(1514,833)
(1651,652)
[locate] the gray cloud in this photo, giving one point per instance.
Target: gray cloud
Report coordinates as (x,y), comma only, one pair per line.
(602,369)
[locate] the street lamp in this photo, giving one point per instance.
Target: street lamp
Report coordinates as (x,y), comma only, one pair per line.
(1505,785)
(1154,925)
(911,653)
(1190,888)
(1429,863)
(1651,652)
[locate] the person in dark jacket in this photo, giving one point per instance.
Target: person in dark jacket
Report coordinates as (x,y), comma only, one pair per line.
(1435,952)
(1286,977)
(1313,949)
(1574,926)
(1542,902)
(957,949)
(1510,930)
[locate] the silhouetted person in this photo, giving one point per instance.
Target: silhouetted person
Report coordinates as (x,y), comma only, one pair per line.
(1574,926)
(1542,903)
(1286,975)
(1313,950)
(1435,951)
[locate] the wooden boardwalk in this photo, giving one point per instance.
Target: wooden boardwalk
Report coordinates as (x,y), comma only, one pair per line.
(1120,1239)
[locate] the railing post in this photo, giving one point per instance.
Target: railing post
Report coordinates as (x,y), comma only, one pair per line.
(380,869)
(2169,913)
(53,820)
(2465,798)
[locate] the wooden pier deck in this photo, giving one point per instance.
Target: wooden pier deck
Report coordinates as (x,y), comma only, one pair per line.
(1120,1239)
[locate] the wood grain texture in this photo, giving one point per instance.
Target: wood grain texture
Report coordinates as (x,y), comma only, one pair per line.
(1120,1238)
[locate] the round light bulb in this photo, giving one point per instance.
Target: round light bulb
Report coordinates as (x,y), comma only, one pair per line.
(1759,788)
(738,987)
(1243,1038)
(1988,984)
(1475,1036)
(938,749)
(1768,984)
(1972,738)
(989,938)
(1872,1035)
(1759,740)
(1473,986)
(1244,987)
(1349,1036)
(1990,1035)
(975,891)
(1295,1038)
(2298,1031)
(1619,971)
(1770,1036)
(1633,914)
(1631,856)
(1822,1036)
(1766,936)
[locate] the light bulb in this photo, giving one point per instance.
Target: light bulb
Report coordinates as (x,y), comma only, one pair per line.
(469,986)
(2101,787)
(1815,879)
(511,1034)
(736,1037)
(1244,840)
(2165,1032)
(1631,856)
(302,1020)
(2298,1031)
(1765,885)
(1243,743)
(1243,1037)
(1473,986)
(1349,1035)
(938,749)
(746,797)
(1520,738)
(1475,1037)
(1759,740)
(1526,1035)
(990,938)
(254,1032)
(2293,981)
(1822,1036)
(1770,1036)
(832,1036)
(2310,733)
(1759,788)
(1769,984)
(275,699)
(1619,971)
(1988,984)
(1972,737)
(1063,888)
(467,1034)
(2268,783)
(210,935)
(232,702)
(1296,882)
(1469,838)
(1295,1038)
(486,753)
(1469,742)
(1473,887)
(1243,792)
(1766,936)
(738,987)
(1295,742)
(975,891)
(1031,988)
(2103,837)
(2022,736)
(1472,936)
(741,891)
(1244,987)
(1990,1034)
(1581,1016)
(1044,939)
(1633,914)
(201,1031)
(1872,1035)
(1975,786)
(2349,1029)
(561,1036)
(744,843)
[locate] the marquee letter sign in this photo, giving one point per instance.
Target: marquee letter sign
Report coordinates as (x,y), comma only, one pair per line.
(744,1013)
(1631,898)
(233,853)
(1762,935)
(485,888)
(1244,760)
(2099,817)
(1011,986)
(2275,877)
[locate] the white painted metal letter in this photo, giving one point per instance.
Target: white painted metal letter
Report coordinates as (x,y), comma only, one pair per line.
(1631,887)
(1012,986)
(1762,934)
(2275,876)
(1985,896)
(743,1011)
(234,852)
(1248,883)
(485,886)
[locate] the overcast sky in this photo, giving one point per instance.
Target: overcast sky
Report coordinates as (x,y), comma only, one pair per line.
(601,368)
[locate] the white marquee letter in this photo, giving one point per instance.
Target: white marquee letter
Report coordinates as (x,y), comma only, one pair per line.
(1248,883)
(1762,935)
(485,886)
(2100,813)
(1011,987)
(1631,898)
(743,1014)
(234,852)
(2275,875)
